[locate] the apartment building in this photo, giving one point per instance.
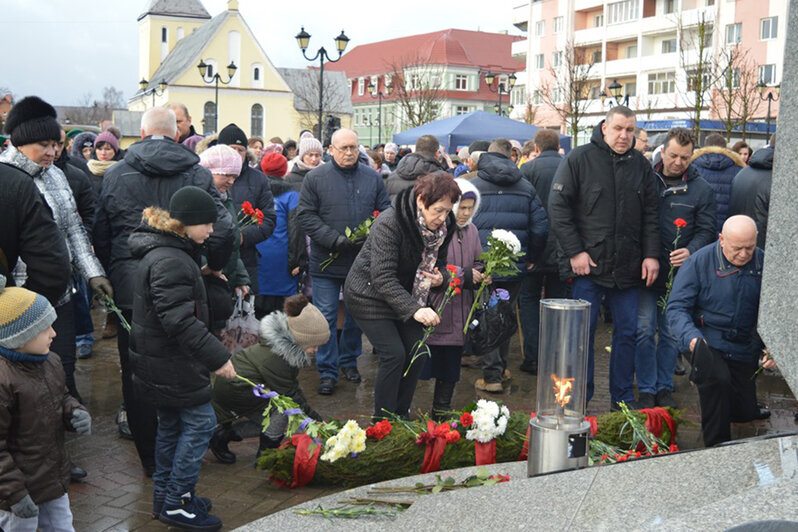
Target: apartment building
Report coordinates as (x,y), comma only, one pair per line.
(649,50)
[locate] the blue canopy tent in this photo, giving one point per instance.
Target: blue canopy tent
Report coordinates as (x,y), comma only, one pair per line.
(462,130)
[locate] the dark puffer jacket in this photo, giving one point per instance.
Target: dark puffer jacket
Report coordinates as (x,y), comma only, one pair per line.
(82,189)
(606,204)
(380,283)
(718,166)
(332,199)
(540,172)
(750,194)
(35,410)
(253,186)
(153,169)
(410,168)
(509,202)
(28,231)
(172,352)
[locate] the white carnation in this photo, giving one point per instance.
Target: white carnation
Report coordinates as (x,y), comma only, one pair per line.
(508,239)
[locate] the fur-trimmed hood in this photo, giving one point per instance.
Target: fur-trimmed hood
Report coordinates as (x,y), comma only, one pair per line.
(715,158)
(274,332)
(158,229)
(207,142)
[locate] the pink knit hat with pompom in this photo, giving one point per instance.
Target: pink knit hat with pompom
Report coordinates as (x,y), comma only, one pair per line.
(221,159)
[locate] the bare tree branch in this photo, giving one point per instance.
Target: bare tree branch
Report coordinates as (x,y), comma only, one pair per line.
(418,90)
(697,59)
(306,98)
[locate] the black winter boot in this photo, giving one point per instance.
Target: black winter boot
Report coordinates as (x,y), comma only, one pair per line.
(442,399)
(218,446)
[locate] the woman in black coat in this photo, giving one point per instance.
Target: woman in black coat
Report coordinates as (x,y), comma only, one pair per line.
(390,281)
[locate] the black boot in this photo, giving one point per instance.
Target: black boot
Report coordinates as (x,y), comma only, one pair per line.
(218,445)
(267,443)
(442,400)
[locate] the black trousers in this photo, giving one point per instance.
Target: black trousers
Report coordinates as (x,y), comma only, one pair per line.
(726,394)
(64,344)
(142,416)
(394,341)
(495,360)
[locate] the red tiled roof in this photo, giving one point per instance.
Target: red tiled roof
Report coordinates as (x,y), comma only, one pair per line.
(446,47)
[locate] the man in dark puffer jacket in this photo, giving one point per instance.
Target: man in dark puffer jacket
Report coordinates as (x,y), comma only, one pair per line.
(421,162)
(750,193)
(718,166)
(509,202)
(603,212)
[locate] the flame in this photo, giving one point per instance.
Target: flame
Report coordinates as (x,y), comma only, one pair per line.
(562,390)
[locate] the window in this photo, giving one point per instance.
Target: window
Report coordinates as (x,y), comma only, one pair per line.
(767,74)
(540,28)
(539,61)
(558,24)
(556,59)
(630,88)
(537,98)
(595,93)
(461,82)
(662,83)
(414,81)
(598,21)
(670,6)
(769,28)
(735,78)
(461,110)
(556,95)
(361,86)
(734,33)
(596,56)
(164,34)
(622,11)
(209,118)
(669,46)
(692,81)
(256,74)
(210,70)
(256,121)
(631,51)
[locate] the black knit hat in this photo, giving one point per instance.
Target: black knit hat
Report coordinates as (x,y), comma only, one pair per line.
(193,206)
(478,145)
(32,120)
(232,134)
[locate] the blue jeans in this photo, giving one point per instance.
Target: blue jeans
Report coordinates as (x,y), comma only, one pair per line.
(182,440)
(655,361)
(54,516)
(529,306)
(623,305)
(84,327)
(335,353)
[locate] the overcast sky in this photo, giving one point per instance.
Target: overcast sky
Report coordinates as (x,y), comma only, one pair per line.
(61,50)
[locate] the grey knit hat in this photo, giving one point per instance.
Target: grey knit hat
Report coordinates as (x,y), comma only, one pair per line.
(23,315)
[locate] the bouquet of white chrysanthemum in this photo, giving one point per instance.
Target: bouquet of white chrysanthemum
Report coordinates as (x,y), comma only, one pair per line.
(489,421)
(504,249)
(351,439)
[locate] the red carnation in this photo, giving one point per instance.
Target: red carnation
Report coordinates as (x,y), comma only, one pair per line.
(375,214)
(442,429)
(452,436)
(466,419)
(247,208)
(452,268)
(501,478)
(457,281)
(673,448)
(457,290)
(259,216)
(679,222)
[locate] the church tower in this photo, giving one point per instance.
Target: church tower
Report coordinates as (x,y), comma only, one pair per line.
(161,26)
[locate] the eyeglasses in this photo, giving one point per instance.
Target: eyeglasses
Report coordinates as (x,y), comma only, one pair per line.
(352,148)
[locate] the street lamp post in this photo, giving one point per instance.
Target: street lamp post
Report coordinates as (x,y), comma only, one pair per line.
(615,91)
(500,89)
(216,78)
(770,98)
(155,91)
(303,39)
(376,93)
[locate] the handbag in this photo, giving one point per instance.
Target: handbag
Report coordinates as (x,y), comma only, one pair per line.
(491,326)
(242,329)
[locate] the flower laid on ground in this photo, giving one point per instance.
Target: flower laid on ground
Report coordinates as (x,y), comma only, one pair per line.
(420,347)
(361,232)
(504,249)
(489,421)
(662,302)
(466,419)
(351,439)
(249,215)
(379,430)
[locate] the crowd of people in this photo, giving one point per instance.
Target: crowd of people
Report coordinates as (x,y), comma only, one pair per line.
(175,228)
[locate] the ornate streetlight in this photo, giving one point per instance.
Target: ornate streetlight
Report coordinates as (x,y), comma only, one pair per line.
(303,39)
(216,78)
(500,89)
(374,92)
(615,90)
(155,91)
(761,87)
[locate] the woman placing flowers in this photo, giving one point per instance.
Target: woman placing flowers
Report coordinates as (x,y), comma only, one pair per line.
(446,344)
(388,287)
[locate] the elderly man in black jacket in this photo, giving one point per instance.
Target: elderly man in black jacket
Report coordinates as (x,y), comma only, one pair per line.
(544,277)
(686,212)
(603,211)
(251,185)
(152,171)
(509,202)
(334,196)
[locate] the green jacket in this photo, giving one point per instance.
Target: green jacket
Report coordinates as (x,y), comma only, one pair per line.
(274,362)
(235,271)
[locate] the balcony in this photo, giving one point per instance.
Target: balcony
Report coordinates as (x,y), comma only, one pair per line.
(521,16)
(519,50)
(581,5)
(622,67)
(589,36)
(668,23)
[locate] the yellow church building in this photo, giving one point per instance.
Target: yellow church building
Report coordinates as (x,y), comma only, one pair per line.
(175,36)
